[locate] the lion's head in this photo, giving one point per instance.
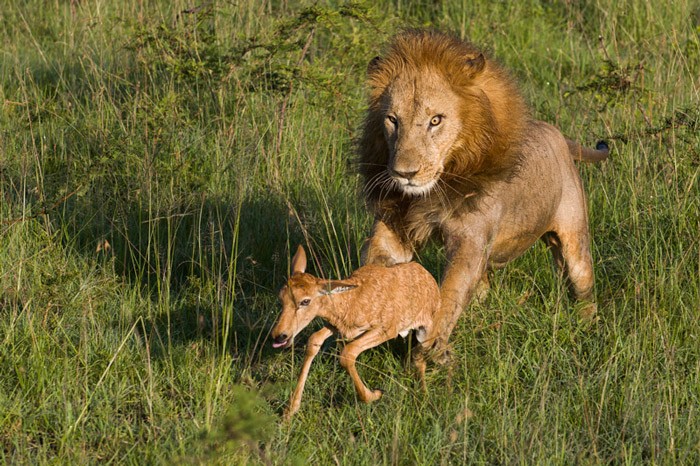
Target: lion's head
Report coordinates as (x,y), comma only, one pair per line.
(439,111)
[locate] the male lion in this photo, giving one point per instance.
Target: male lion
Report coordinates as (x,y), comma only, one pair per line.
(449,149)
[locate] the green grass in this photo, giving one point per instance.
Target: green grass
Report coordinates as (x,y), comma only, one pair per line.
(158,163)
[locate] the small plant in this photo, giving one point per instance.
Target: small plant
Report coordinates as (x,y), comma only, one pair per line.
(240,432)
(611,82)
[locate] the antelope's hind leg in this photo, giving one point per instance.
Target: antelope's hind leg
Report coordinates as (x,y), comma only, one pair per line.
(349,355)
(420,364)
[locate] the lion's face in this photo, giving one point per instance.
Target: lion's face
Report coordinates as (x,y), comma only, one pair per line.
(421,124)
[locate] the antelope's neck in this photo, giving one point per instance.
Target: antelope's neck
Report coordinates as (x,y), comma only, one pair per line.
(337,313)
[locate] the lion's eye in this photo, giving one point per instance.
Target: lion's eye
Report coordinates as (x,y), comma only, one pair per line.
(392,119)
(304,302)
(436,120)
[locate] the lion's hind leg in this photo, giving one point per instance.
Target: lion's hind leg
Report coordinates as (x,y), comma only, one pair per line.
(482,289)
(572,256)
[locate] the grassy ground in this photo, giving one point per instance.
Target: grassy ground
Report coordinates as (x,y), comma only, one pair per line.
(158,160)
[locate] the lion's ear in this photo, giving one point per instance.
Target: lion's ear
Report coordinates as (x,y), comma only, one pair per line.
(374,64)
(475,65)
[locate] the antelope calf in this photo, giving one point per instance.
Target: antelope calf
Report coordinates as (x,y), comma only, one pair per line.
(373,305)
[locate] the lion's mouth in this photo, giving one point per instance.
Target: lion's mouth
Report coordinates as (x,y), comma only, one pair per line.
(412,187)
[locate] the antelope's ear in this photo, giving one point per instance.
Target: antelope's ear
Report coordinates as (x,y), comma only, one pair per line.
(475,65)
(337,286)
(299,261)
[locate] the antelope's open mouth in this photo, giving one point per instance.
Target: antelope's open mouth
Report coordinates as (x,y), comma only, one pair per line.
(281,343)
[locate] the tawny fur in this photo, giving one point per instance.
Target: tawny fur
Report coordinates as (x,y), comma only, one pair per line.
(449,150)
(375,304)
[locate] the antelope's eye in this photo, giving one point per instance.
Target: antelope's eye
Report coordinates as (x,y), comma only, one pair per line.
(392,119)
(436,120)
(304,302)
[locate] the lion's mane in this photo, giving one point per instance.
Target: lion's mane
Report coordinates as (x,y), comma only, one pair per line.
(493,116)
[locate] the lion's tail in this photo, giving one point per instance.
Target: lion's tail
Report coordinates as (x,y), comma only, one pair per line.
(584,154)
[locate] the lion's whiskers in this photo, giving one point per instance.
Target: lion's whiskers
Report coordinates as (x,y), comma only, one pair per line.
(382,182)
(377,181)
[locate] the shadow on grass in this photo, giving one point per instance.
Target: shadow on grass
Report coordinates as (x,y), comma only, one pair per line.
(208,269)
(205,268)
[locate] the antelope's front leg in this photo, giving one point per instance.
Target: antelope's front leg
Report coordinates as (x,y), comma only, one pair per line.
(312,348)
(463,275)
(384,247)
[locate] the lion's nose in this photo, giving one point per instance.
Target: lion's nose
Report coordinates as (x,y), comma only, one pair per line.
(405,173)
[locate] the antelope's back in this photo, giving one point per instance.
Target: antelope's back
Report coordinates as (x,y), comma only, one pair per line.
(409,282)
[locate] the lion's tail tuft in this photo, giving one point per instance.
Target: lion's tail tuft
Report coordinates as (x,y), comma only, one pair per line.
(585,154)
(602,145)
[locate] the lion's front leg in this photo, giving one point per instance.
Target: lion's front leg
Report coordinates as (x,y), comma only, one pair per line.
(385,247)
(463,275)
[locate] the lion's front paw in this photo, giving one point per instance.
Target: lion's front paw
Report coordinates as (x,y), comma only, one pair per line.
(382,259)
(587,311)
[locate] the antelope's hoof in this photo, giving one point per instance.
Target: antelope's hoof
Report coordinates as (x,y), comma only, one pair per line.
(374,395)
(289,412)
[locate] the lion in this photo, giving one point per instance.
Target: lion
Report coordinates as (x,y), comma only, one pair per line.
(450,150)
